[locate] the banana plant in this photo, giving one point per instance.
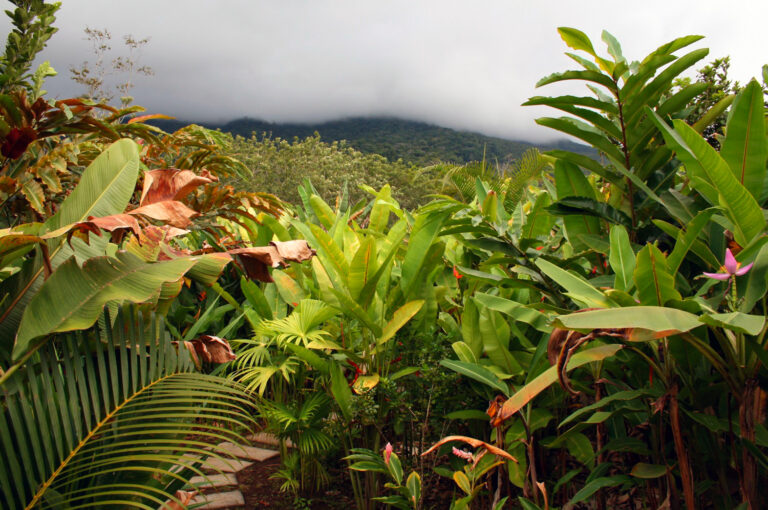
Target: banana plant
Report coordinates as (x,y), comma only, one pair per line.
(615,122)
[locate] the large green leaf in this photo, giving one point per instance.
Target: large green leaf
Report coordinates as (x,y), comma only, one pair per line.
(621,258)
(478,373)
(578,288)
(515,310)
(757,280)
(687,237)
(104,189)
(362,267)
(652,318)
(549,377)
(399,319)
(73,297)
(653,279)
(571,182)
(424,233)
(494,333)
(745,147)
(711,174)
(340,391)
(736,321)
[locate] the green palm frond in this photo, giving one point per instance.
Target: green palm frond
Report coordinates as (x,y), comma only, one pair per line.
(301,423)
(257,377)
(531,165)
(105,418)
(301,326)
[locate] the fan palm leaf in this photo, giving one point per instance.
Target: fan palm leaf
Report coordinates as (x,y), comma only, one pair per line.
(114,416)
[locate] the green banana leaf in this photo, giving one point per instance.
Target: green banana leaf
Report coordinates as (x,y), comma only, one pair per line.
(712,177)
(745,147)
(654,281)
(73,297)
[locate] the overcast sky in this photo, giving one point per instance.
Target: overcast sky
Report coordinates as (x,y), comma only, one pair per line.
(465,65)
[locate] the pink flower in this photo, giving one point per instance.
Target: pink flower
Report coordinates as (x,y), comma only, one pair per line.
(387,453)
(731,268)
(462,454)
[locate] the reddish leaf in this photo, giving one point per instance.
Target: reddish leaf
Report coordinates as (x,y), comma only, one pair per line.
(475,443)
(17,141)
(171,184)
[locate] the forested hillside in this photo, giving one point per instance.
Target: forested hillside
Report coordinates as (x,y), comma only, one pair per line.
(414,142)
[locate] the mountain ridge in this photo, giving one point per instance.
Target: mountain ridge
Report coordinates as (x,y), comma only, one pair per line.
(395,138)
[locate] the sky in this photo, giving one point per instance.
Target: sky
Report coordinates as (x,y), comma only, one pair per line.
(466,65)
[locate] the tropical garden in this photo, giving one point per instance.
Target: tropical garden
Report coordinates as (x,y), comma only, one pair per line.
(558,332)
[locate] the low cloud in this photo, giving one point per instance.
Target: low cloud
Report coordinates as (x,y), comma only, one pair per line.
(466,65)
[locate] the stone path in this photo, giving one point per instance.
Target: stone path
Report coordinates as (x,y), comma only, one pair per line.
(224,473)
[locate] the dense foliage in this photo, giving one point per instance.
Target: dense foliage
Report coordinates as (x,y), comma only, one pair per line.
(279,167)
(556,332)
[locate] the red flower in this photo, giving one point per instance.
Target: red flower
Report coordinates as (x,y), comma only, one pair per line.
(17,141)
(539,248)
(456,273)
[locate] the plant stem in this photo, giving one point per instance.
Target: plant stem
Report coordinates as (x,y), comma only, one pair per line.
(686,474)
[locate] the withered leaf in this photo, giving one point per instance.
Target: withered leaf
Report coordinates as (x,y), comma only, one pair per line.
(210,349)
(171,212)
(255,261)
(171,184)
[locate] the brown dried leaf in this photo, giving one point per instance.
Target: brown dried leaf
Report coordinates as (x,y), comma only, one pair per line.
(117,225)
(256,260)
(171,212)
(212,349)
(185,497)
(475,443)
(171,184)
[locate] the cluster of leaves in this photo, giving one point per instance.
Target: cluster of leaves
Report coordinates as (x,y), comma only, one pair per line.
(627,244)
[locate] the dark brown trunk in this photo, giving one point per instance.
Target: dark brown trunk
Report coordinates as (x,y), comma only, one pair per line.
(682,453)
(749,415)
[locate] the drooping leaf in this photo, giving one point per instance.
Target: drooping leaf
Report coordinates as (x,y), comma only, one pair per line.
(736,321)
(399,319)
(515,310)
(474,443)
(578,288)
(478,373)
(651,318)
(648,471)
(550,376)
(73,297)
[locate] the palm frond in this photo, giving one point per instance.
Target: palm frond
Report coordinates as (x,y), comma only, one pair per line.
(104,417)
(530,166)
